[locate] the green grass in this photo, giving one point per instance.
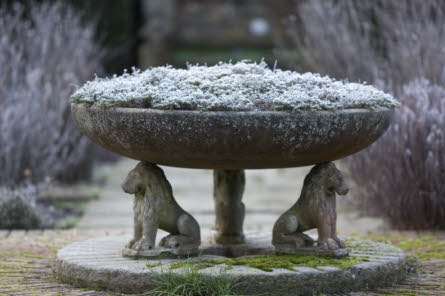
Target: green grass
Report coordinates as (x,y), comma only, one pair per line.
(14,266)
(153,265)
(192,283)
(68,222)
(74,206)
(74,211)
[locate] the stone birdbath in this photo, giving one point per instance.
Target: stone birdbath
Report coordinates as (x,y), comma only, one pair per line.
(229,118)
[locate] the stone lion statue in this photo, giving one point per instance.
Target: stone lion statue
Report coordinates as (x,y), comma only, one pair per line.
(156,208)
(316,208)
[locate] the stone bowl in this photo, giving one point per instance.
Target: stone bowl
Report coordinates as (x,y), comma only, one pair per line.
(231,139)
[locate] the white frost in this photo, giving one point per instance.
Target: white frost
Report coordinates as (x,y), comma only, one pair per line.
(237,87)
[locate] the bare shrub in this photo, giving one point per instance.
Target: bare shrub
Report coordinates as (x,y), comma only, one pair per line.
(45,50)
(398,46)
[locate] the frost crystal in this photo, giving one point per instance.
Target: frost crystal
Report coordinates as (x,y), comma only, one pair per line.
(243,86)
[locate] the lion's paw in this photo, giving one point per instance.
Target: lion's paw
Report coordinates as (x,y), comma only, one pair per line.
(131,243)
(175,241)
(143,245)
(328,244)
(170,242)
(341,244)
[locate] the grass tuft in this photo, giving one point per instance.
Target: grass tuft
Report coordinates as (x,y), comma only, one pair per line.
(192,283)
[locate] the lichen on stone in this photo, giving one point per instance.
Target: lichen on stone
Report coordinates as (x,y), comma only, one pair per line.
(242,86)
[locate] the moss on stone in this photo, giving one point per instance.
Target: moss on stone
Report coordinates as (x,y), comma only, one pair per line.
(271,262)
(425,247)
(268,263)
(153,264)
(289,262)
(195,265)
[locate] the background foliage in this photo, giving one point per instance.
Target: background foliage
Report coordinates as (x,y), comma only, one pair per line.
(42,58)
(399,46)
(45,50)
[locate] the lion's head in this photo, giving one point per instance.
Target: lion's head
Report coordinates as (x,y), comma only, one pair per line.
(138,179)
(334,180)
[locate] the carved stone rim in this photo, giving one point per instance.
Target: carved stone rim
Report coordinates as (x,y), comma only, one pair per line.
(229,112)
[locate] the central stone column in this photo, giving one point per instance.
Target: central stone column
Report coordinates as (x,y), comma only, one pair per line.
(229,209)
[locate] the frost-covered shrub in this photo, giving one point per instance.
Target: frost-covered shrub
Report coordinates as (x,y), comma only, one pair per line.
(402,176)
(21,208)
(45,50)
(18,209)
(400,47)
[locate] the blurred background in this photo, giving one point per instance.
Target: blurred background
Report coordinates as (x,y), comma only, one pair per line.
(52,177)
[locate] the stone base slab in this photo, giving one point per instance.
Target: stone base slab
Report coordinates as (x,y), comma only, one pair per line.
(99,264)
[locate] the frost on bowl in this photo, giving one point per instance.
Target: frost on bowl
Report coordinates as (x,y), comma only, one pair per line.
(243,86)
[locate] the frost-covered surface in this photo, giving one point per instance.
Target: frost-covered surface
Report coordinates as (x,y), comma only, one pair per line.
(236,87)
(45,48)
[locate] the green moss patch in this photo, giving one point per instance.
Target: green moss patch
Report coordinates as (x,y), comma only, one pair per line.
(271,262)
(153,264)
(425,247)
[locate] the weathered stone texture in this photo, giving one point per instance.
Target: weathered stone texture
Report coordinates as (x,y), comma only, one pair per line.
(231,140)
